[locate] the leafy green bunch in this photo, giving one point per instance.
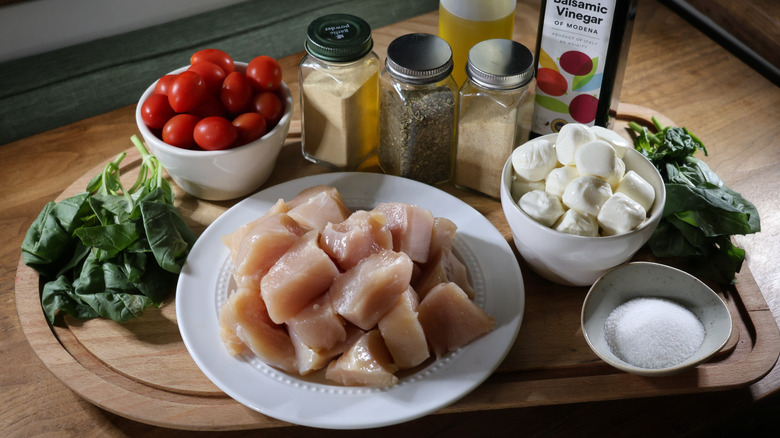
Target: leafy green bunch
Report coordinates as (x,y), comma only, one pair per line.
(701,213)
(110,252)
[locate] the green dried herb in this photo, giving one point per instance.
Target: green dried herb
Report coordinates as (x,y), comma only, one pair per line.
(417,130)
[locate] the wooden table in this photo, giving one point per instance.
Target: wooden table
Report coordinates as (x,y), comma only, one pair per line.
(672,68)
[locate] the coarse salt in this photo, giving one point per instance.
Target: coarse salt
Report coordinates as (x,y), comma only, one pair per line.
(653,333)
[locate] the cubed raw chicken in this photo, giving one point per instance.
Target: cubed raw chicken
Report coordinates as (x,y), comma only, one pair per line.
(366,363)
(233,240)
(308,193)
(363,233)
(444,268)
(442,236)
(450,319)
(363,294)
(319,209)
(403,333)
(318,325)
(411,227)
(243,318)
(262,246)
(309,360)
(302,274)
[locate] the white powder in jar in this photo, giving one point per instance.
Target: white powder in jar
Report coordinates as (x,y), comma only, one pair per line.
(485,141)
(653,333)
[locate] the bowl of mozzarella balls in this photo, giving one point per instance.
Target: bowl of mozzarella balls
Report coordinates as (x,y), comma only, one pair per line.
(580,202)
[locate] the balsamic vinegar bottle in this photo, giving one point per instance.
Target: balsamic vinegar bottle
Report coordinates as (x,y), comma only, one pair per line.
(581,51)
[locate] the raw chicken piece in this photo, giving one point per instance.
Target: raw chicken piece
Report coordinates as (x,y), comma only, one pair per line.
(403,333)
(360,235)
(367,291)
(366,363)
(233,240)
(319,209)
(262,246)
(306,194)
(318,325)
(309,360)
(243,317)
(444,269)
(450,319)
(442,235)
(303,273)
(411,227)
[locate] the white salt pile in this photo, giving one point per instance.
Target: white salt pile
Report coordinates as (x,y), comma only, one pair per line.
(653,333)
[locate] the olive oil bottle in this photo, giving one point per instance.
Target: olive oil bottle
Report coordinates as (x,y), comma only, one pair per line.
(581,52)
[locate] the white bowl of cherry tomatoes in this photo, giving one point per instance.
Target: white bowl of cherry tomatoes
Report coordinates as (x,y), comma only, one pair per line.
(216,125)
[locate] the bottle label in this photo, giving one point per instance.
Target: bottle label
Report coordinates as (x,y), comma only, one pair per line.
(572,56)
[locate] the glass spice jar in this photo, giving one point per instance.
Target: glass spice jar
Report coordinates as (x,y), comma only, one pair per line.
(492,103)
(339,80)
(418,109)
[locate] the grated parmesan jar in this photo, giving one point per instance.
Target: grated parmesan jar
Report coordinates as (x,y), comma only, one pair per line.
(492,103)
(339,80)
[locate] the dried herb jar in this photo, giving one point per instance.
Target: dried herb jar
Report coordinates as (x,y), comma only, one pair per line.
(492,102)
(339,80)
(418,109)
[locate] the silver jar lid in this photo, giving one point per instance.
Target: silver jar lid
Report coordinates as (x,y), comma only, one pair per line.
(419,58)
(500,64)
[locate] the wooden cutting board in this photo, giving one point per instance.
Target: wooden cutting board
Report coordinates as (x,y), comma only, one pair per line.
(141,370)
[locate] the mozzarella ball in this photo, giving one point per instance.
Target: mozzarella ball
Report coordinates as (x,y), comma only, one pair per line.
(620,144)
(638,189)
(541,206)
(595,158)
(575,222)
(617,175)
(559,178)
(587,194)
(533,160)
(620,214)
(570,138)
(520,187)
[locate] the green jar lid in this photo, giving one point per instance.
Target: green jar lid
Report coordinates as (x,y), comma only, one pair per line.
(339,38)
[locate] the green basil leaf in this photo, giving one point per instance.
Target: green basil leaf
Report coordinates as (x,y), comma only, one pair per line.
(168,235)
(59,296)
(110,238)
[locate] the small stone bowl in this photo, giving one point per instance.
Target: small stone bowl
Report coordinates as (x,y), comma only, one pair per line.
(653,280)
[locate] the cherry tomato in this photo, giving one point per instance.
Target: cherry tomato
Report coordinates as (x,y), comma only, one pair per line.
(164,84)
(269,106)
(215,133)
(187,91)
(179,130)
(236,93)
(249,127)
(156,111)
(210,106)
(216,56)
(212,75)
(265,73)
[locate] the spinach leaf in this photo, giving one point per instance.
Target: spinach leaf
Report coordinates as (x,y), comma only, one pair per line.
(49,241)
(701,213)
(110,252)
(58,295)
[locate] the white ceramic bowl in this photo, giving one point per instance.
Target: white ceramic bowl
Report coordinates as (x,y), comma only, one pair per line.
(578,260)
(225,174)
(645,279)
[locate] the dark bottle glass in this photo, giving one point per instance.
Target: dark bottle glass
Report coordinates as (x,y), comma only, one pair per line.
(581,52)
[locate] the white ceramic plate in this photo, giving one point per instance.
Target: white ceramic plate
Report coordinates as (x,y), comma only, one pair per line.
(205,282)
